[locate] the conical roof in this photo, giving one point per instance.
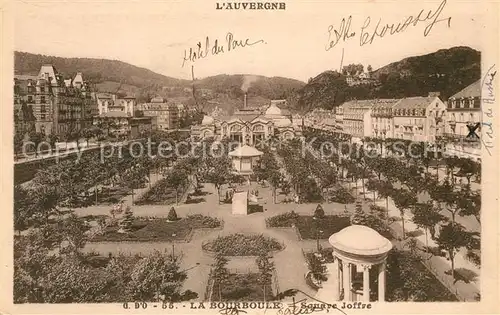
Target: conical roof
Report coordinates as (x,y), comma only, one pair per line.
(245,151)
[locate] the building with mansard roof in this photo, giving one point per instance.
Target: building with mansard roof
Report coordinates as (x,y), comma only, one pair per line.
(464,113)
(249,126)
(58,106)
(419,118)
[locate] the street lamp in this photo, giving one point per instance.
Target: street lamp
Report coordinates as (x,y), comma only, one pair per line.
(173,246)
(316,225)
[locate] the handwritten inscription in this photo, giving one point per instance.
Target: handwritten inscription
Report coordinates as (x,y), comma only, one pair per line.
(367,34)
(488,102)
(208,48)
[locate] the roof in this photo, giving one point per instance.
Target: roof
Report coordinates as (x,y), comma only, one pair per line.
(51,73)
(245,151)
(418,102)
(360,240)
(78,78)
(358,103)
(473,90)
(25,77)
(385,103)
(114,114)
(104,95)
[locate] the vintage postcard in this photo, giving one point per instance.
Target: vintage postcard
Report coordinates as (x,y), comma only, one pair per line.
(247,157)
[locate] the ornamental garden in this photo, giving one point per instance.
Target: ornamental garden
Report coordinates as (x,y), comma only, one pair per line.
(140,224)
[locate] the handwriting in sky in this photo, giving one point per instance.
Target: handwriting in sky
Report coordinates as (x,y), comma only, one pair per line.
(370,30)
(488,101)
(208,48)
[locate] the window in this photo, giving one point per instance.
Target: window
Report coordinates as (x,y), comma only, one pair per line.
(42,89)
(462,103)
(42,108)
(42,99)
(42,116)
(471,102)
(30,99)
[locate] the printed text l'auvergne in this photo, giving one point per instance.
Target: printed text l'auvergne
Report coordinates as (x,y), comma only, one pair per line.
(250,6)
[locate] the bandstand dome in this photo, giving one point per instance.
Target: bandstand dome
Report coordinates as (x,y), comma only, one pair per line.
(360,240)
(273,110)
(245,151)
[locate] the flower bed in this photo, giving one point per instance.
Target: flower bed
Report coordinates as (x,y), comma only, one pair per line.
(242,287)
(156,230)
(308,227)
(242,245)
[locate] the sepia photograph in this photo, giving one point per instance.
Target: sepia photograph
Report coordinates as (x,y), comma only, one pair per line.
(289,157)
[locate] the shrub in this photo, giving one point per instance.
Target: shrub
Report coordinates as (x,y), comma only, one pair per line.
(342,195)
(319,212)
(127,220)
(172,215)
(242,245)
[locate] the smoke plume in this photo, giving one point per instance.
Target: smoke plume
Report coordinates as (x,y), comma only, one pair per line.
(247,82)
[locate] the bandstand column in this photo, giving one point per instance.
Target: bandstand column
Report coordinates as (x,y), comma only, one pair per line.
(366,283)
(381,282)
(340,277)
(336,272)
(346,274)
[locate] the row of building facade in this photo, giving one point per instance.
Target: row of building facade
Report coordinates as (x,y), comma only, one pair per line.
(49,104)
(419,118)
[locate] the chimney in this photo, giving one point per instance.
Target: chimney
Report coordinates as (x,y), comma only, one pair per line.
(245,101)
(434,94)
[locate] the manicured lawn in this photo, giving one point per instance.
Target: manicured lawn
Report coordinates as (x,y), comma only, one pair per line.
(328,225)
(158,230)
(242,287)
(242,245)
(308,227)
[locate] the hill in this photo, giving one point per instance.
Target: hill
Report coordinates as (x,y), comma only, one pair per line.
(446,71)
(116,76)
(96,70)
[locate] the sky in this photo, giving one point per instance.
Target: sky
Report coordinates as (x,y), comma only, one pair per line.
(291,43)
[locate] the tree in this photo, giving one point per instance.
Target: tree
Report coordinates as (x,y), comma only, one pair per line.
(451,238)
(385,190)
(126,221)
(177,178)
(426,216)
(469,203)
(369,68)
(157,277)
(373,185)
(172,215)
(18,142)
(266,268)
(36,138)
(24,208)
(52,139)
(275,178)
(217,171)
(404,200)
(133,179)
(220,272)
